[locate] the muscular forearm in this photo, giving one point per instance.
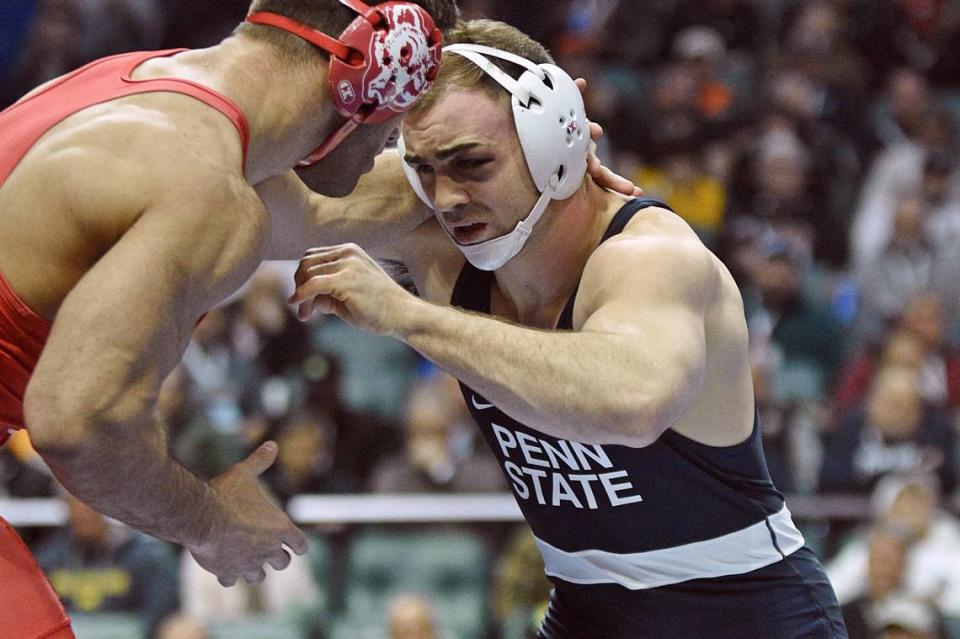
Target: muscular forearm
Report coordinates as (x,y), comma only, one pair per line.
(589,387)
(381,210)
(125,471)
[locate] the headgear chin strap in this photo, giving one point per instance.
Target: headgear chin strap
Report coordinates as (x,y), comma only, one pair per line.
(379,66)
(552,126)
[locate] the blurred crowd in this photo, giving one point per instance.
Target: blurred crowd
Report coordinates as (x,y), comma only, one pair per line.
(813,145)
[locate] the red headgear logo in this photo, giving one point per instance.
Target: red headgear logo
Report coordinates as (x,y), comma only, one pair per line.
(402,64)
(347,94)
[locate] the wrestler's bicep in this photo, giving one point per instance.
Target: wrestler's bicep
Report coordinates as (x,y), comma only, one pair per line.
(651,298)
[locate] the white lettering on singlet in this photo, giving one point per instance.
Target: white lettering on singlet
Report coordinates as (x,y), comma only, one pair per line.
(525,457)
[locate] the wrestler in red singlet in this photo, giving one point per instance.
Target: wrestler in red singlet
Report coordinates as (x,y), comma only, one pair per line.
(29,608)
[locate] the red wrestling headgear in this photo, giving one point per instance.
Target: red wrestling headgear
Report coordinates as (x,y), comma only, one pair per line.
(379,66)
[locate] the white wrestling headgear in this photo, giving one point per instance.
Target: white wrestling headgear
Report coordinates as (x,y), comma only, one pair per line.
(552,126)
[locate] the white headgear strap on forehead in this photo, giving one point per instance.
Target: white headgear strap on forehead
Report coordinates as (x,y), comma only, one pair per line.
(552,127)
(476,53)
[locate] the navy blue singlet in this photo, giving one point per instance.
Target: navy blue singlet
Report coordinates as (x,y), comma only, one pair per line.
(675,539)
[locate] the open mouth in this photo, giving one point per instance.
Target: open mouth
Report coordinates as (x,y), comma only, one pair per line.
(468,233)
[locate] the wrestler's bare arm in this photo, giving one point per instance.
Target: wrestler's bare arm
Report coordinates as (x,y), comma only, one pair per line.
(120,331)
(634,366)
(380,211)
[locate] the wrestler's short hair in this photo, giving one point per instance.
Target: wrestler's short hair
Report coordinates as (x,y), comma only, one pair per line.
(330,17)
(459,72)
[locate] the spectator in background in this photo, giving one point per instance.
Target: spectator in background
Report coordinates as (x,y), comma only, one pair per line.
(668,116)
(895,171)
(681,181)
(99,566)
(774,183)
(907,266)
(308,461)
(816,42)
(905,348)
(835,161)
(893,432)
(941,194)
(441,451)
(410,616)
(739,22)
(909,557)
(898,113)
(807,339)
(884,611)
(702,51)
(939,378)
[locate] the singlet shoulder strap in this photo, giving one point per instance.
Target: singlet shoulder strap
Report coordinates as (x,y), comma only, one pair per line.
(617,224)
(214,99)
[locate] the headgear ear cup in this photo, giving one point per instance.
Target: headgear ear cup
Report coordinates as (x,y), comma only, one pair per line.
(554,134)
(379,66)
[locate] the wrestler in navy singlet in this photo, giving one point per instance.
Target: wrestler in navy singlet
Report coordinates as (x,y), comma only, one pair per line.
(676,539)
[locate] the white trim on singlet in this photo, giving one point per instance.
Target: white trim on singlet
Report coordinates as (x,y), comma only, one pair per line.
(742,551)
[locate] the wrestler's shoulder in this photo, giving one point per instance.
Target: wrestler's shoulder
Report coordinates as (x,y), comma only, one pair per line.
(152,134)
(657,238)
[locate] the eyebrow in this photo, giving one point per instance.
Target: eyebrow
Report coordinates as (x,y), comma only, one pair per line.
(444,154)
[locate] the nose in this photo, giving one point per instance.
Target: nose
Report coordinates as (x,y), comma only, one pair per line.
(447,194)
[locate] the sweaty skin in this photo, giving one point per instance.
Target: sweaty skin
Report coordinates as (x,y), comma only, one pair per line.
(659,338)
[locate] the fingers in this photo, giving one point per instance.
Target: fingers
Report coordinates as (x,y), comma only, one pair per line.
(581,84)
(596,131)
(261,459)
(621,184)
(594,166)
(296,540)
(313,278)
(256,576)
(316,285)
(227,582)
(320,255)
(280,560)
(305,310)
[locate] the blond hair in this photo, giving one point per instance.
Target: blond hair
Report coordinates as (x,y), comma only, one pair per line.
(458,72)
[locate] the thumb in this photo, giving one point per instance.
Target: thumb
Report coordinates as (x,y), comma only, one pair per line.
(261,459)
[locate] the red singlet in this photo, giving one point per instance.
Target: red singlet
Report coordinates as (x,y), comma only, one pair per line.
(29,608)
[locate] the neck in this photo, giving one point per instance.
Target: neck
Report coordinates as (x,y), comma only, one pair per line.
(286,105)
(536,284)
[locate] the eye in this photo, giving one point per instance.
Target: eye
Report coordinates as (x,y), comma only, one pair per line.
(473,163)
(392,140)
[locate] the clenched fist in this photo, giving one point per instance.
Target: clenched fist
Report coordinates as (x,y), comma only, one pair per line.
(344,281)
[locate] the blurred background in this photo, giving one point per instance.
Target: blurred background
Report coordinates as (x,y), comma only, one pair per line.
(813,145)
